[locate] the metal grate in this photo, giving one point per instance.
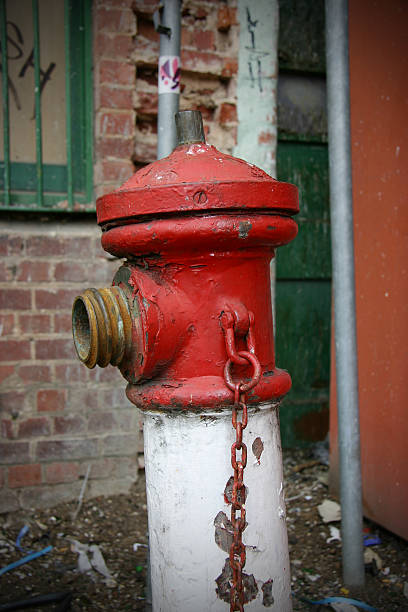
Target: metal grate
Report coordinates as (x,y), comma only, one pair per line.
(40,186)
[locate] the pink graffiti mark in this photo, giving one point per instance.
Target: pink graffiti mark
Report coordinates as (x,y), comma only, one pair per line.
(170,73)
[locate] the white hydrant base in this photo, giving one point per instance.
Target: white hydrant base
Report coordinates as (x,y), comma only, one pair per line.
(188,465)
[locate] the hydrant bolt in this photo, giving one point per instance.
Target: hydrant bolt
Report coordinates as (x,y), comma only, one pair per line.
(101,326)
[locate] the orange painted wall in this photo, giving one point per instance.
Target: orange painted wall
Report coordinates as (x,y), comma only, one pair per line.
(379,139)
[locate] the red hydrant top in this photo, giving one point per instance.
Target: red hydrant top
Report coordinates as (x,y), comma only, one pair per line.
(197,177)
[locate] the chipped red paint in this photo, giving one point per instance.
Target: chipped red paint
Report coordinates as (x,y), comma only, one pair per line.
(198,230)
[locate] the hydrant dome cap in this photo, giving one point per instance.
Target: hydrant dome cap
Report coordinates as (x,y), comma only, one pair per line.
(197,177)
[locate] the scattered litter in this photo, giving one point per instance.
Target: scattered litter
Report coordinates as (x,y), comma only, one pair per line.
(26,559)
(82,493)
(343,607)
(97,562)
(371,540)
(138,545)
(23,531)
(304,466)
(329,511)
(334,535)
(313,577)
(370,557)
(340,600)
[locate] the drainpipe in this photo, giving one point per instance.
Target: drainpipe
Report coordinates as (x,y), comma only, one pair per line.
(341,210)
(257,90)
(167,22)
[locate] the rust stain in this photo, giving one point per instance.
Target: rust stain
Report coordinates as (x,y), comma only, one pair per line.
(257,449)
(267,599)
(224,582)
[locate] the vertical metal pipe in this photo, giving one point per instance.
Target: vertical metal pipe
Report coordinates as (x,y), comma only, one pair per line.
(341,207)
(169,76)
(37,105)
(68,138)
(6,114)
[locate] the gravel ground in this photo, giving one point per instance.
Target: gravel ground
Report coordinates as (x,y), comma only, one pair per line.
(116,527)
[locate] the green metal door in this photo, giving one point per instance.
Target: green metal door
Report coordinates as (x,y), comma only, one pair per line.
(303,287)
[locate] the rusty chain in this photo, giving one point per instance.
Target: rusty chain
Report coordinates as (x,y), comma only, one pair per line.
(237,554)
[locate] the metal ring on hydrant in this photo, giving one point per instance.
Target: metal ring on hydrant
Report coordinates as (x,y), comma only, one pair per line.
(256,375)
(102,326)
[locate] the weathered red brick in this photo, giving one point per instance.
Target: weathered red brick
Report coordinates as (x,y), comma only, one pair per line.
(230,67)
(62,322)
(15,299)
(51,400)
(33,271)
(117,123)
(223,18)
(147,103)
(34,427)
(6,323)
(12,401)
(145,29)
(24,475)
(55,349)
(228,113)
(266,137)
(70,271)
(115,147)
(118,171)
(115,20)
(114,97)
(102,421)
(61,472)
(14,350)
(7,429)
(120,73)
(204,40)
(35,323)
(125,444)
(201,61)
(42,245)
(11,244)
(55,299)
(71,372)
(49,246)
(34,373)
(57,450)
(6,272)
(14,452)
(70,424)
(114,45)
(6,371)
(83,398)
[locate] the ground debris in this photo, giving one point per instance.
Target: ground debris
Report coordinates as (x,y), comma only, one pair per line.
(115,524)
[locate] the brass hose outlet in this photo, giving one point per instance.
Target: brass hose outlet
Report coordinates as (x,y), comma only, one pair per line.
(101,326)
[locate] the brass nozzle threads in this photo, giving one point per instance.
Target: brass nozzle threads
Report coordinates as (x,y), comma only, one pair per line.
(101,326)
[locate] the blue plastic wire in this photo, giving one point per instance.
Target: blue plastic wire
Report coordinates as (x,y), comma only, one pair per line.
(26,559)
(329,600)
(20,536)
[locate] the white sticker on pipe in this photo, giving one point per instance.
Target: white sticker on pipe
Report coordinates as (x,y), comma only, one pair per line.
(169,74)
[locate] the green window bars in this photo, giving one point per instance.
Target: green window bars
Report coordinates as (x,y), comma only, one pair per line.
(46,88)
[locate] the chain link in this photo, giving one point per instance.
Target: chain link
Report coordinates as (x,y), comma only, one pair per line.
(237,553)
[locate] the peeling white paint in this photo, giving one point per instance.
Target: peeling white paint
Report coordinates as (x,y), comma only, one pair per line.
(187,468)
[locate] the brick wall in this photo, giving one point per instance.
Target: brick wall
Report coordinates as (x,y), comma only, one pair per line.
(57,417)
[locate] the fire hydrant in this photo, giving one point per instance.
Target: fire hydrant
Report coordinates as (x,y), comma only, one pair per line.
(188,321)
